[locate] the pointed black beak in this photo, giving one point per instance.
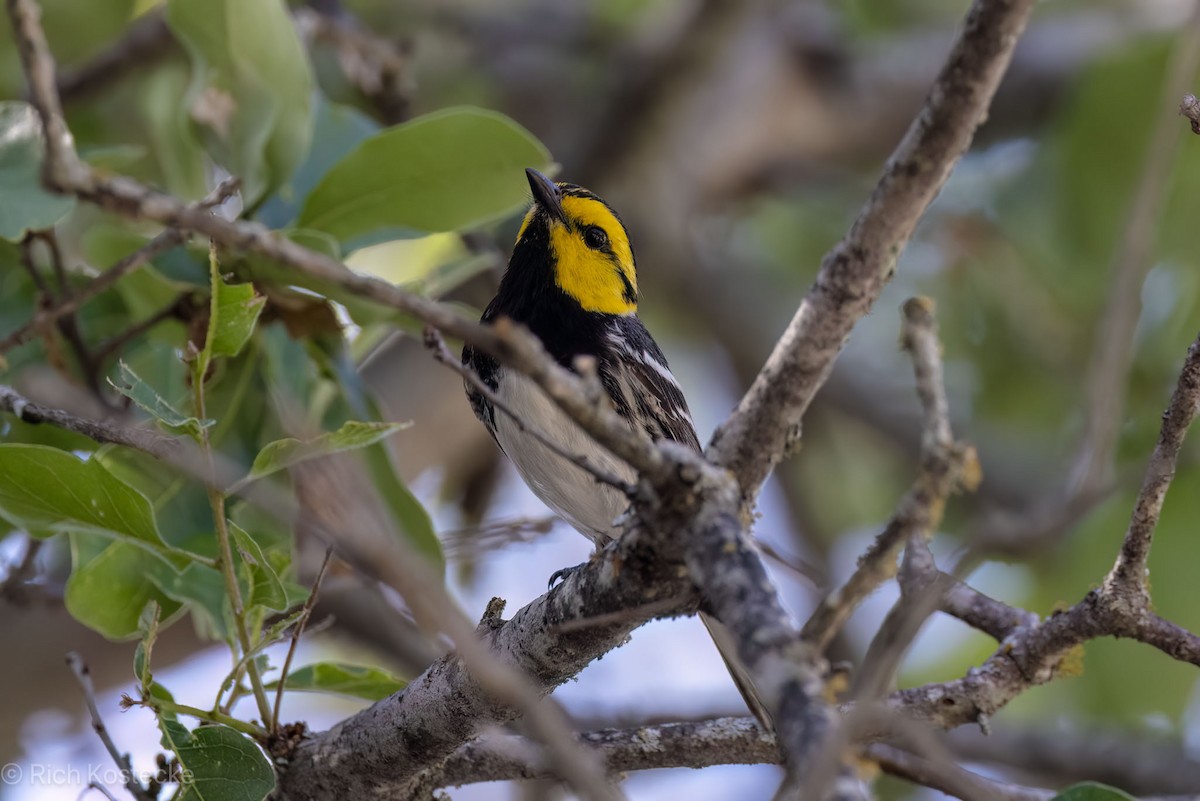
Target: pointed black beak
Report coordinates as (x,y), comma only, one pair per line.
(546,194)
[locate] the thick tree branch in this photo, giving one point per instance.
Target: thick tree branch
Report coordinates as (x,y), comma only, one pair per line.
(698,744)
(766,421)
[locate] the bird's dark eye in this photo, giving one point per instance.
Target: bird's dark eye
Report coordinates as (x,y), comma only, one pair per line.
(594,237)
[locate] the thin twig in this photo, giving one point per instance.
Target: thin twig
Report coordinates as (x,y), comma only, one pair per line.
(805,570)
(181,308)
(441,353)
(964,602)
(949,778)
(1129,572)
(1035,654)
(82,675)
(465,542)
(945,466)
(68,325)
(141,439)
(297,631)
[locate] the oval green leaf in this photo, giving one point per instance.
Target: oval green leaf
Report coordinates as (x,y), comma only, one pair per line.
(283,453)
(219,764)
(46,490)
(371,684)
(108,588)
(452,169)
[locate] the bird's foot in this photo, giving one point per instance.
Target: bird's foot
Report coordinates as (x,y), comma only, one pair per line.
(563,574)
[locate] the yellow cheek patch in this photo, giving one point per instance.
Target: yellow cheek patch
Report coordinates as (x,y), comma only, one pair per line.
(601,282)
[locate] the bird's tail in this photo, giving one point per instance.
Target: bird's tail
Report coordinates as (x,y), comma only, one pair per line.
(737,671)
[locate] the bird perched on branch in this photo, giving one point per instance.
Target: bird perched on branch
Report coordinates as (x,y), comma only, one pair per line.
(572,282)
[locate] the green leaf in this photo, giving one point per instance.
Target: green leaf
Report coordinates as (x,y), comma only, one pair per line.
(283,453)
(265,588)
(133,387)
(24,204)
(251,89)
(219,764)
(371,684)
(1092,791)
(46,490)
(202,589)
(108,588)
(235,310)
(453,169)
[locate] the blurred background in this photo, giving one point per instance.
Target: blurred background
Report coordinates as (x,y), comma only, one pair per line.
(737,140)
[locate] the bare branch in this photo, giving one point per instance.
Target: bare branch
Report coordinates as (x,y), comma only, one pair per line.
(297,632)
(945,465)
(141,439)
(84,677)
(950,778)
(766,420)
(959,600)
(1128,575)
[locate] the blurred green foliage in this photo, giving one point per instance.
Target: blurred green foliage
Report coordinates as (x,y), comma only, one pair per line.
(1018,254)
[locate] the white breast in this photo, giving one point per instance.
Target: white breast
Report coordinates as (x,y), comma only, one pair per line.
(569,490)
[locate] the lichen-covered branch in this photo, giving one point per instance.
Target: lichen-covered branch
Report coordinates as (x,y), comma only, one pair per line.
(699,744)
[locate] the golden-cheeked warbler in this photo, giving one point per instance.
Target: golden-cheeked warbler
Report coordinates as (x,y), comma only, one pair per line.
(572,282)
